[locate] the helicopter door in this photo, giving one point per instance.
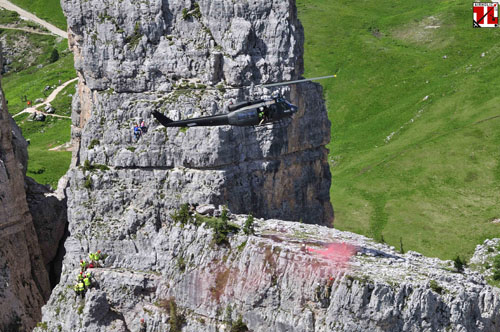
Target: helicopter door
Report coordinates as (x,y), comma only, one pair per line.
(273,112)
(278,111)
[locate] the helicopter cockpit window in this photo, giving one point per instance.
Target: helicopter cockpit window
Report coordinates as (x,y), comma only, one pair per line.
(282,106)
(275,109)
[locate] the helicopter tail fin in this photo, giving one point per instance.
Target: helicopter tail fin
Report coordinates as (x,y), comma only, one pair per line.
(162,118)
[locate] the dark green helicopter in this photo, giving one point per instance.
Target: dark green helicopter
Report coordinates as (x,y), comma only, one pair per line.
(245,113)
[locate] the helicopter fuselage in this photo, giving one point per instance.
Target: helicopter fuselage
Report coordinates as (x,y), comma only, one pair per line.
(262,112)
(249,113)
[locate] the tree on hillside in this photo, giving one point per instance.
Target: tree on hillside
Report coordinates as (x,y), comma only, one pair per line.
(54,56)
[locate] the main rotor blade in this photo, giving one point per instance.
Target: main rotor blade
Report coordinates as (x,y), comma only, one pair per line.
(295,82)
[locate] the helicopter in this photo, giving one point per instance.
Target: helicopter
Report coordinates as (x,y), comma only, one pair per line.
(245,113)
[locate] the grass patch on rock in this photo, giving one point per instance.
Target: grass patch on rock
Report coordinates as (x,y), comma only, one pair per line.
(220,225)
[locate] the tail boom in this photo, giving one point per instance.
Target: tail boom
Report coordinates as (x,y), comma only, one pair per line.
(215,120)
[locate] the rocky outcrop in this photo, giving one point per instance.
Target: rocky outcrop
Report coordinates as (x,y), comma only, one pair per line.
(130,55)
(24,282)
(287,277)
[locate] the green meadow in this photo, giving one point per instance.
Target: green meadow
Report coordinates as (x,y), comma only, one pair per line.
(34,66)
(415,137)
(48,10)
(31,81)
(46,166)
(62,103)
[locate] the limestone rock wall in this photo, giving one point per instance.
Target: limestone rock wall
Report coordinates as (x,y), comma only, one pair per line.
(134,46)
(287,277)
(24,282)
(131,54)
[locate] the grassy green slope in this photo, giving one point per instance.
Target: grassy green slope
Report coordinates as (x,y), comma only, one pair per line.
(434,184)
(30,71)
(62,103)
(31,48)
(32,81)
(46,166)
(48,10)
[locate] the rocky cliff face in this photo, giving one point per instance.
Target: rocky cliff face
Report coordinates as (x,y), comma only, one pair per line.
(288,277)
(130,55)
(24,282)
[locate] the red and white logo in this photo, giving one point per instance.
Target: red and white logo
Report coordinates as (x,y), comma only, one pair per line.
(485,14)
